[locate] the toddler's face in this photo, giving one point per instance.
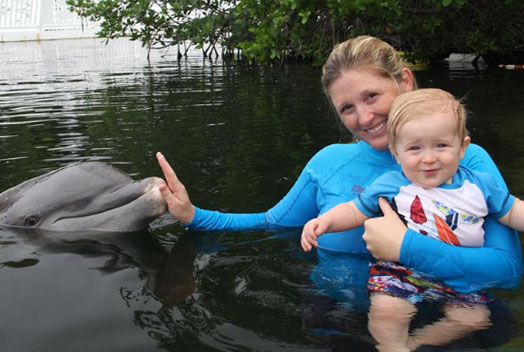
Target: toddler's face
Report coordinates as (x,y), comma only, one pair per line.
(429,149)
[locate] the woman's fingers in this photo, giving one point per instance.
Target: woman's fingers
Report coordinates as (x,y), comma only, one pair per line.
(168,195)
(172,180)
(387,210)
(384,235)
(174,193)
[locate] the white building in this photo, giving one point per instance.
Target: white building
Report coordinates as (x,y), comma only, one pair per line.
(22,20)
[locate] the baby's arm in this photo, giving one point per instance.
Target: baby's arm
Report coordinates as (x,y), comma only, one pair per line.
(343,217)
(514,218)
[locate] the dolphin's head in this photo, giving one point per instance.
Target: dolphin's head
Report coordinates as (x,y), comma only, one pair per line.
(85,196)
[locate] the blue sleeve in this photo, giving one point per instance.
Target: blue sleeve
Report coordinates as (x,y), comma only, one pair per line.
(216,221)
(464,268)
(498,199)
(295,209)
(386,186)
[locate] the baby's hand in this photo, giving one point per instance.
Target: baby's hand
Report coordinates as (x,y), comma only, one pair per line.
(312,229)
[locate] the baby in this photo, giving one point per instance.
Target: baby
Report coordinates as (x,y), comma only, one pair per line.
(434,196)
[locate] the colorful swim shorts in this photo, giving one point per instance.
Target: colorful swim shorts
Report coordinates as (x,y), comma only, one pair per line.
(397,280)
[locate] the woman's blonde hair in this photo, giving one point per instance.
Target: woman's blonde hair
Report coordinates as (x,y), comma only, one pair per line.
(362,51)
(410,105)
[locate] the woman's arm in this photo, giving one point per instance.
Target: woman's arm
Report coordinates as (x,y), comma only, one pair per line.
(497,264)
(294,210)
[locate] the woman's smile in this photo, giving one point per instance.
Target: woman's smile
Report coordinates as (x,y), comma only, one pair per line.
(377,128)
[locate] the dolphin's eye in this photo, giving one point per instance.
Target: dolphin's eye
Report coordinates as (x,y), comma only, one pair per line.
(30,220)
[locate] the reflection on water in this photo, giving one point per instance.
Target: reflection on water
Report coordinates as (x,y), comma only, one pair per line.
(238,137)
(457,322)
(390,319)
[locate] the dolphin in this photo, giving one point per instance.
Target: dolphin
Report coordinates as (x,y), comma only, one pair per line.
(84,196)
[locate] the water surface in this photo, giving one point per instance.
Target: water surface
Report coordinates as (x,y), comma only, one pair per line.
(238,138)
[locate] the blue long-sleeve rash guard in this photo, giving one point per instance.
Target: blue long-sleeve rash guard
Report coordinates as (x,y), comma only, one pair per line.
(338,173)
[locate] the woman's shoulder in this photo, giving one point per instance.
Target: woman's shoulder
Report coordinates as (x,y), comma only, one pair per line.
(474,147)
(339,147)
(477,177)
(475,150)
(475,156)
(337,153)
(337,150)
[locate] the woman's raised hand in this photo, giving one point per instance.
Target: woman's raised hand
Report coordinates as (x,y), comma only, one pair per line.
(384,235)
(175,194)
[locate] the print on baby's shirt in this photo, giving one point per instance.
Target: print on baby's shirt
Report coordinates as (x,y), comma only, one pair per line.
(443,223)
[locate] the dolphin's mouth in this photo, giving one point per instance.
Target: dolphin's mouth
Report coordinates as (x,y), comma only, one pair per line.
(142,201)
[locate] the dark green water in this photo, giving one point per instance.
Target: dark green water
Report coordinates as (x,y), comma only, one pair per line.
(237,137)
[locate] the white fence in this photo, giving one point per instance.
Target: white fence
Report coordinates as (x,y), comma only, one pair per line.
(40,20)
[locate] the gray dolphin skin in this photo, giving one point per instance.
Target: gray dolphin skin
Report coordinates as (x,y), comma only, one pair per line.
(85,196)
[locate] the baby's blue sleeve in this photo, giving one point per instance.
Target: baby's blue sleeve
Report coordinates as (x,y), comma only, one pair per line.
(367,203)
(386,186)
(465,268)
(498,199)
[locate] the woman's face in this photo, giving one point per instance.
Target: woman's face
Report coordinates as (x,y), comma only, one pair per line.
(362,99)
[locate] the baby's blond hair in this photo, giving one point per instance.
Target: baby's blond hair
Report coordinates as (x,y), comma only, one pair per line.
(421,102)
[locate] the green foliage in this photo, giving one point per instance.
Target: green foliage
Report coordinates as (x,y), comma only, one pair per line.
(268,31)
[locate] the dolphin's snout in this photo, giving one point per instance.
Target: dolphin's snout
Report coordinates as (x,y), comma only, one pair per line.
(153,182)
(152,192)
(84,196)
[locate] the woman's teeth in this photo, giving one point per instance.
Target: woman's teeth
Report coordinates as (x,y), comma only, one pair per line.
(376,128)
